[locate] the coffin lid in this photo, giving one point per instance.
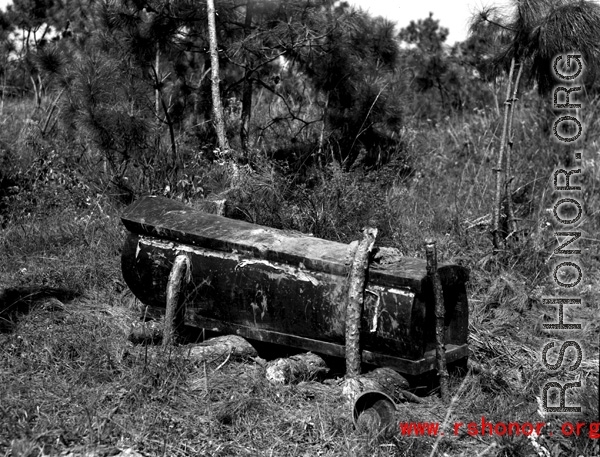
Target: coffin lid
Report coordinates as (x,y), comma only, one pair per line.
(171,220)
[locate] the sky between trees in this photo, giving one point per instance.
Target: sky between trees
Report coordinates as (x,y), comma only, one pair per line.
(452,15)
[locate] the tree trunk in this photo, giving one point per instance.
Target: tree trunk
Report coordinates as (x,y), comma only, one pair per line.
(169,122)
(325,125)
(37,91)
(320,157)
(3,92)
(215,79)
(50,111)
(157,78)
(247,89)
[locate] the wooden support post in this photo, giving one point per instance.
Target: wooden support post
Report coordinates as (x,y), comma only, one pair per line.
(440,312)
(174,314)
(356,290)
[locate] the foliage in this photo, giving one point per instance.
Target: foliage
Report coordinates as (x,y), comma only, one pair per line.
(363,86)
(441,79)
(331,96)
(539,30)
(346,59)
(78,359)
(426,34)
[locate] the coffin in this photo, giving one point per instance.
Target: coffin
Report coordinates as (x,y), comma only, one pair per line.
(287,288)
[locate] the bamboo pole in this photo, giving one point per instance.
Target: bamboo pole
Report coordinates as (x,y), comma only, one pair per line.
(512,221)
(498,169)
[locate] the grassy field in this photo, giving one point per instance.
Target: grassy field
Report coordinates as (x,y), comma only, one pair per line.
(72,384)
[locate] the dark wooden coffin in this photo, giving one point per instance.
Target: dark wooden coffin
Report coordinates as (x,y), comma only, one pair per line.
(287,288)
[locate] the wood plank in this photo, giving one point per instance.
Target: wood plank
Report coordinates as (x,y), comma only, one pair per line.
(168,219)
(274,296)
(171,220)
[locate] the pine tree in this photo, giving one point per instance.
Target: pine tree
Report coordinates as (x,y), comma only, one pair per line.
(538,31)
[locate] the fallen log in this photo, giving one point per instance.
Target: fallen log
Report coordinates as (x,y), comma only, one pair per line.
(297,368)
(232,347)
(150,332)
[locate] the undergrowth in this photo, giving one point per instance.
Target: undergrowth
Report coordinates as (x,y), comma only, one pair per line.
(71,380)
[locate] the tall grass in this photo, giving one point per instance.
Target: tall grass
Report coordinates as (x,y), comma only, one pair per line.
(72,381)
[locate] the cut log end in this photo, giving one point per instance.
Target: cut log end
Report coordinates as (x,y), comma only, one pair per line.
(292,370)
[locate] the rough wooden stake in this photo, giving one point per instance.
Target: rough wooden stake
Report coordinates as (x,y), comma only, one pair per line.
(180,272)
(356,289)
(440,312)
